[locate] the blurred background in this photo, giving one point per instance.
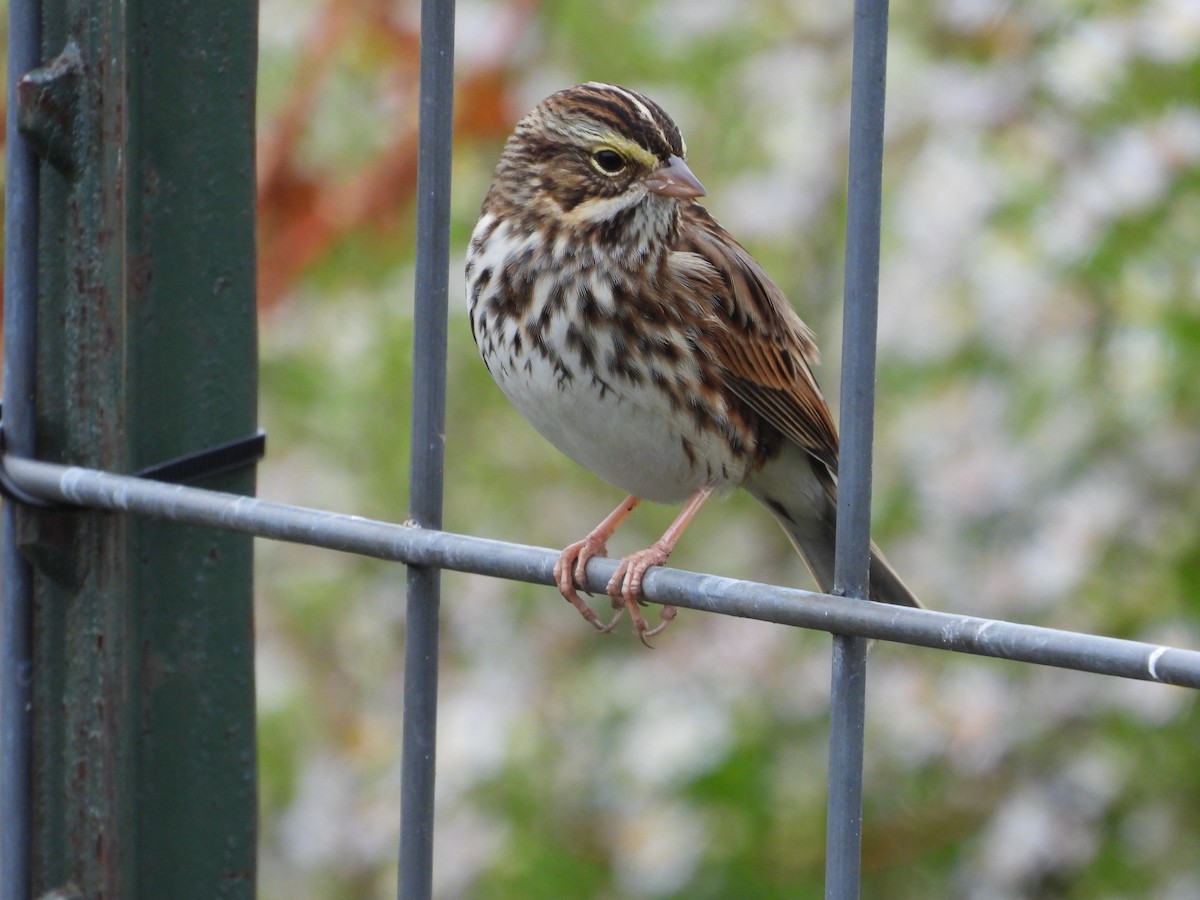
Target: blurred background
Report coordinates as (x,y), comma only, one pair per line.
(1037,450)
(1037,447)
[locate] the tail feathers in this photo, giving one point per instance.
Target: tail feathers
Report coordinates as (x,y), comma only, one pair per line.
(886,586)
(814,541)
(802,495)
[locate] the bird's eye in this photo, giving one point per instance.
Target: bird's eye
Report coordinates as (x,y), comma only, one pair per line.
(610,162)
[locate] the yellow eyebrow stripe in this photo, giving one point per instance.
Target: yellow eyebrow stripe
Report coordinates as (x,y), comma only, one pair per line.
(629,149)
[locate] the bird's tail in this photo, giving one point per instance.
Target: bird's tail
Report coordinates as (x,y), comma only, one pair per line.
(807,510)
(817,552)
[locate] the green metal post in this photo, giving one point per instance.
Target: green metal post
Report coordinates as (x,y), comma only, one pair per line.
(144,778)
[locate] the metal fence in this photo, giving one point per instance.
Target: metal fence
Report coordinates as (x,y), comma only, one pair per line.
(426,549)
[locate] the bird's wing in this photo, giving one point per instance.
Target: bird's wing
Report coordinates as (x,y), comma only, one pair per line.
(754,335)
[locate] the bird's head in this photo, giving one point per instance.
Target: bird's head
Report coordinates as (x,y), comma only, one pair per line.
(595,158)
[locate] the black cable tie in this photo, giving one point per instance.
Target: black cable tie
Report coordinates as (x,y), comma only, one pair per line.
(186,469)
(213,461)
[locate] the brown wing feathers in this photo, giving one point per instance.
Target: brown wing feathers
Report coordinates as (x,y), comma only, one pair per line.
(769,367)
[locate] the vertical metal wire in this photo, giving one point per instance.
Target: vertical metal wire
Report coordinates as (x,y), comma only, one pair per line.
(428,418)
(20,311)
(848,695)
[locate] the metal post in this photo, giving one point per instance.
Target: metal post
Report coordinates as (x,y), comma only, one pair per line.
(20,305)
(144,775)
(848,695)
(418,760)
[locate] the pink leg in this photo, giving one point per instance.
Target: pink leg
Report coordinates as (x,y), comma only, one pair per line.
(625,588)
(571,568)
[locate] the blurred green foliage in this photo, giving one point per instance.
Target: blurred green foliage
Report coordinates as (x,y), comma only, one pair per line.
(1037,450)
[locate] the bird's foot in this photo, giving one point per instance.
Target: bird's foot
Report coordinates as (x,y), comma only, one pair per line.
(625,589)
(570,571)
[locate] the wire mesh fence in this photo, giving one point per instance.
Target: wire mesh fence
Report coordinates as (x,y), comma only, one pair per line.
(427,549)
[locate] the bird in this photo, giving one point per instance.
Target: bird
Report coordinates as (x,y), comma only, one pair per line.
(644,342)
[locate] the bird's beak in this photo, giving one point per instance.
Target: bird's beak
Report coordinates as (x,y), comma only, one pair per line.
(674,179)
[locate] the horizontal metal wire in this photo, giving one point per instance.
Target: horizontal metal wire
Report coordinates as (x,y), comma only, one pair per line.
(711,593)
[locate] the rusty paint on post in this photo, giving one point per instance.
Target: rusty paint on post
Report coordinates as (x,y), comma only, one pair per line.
(143,742)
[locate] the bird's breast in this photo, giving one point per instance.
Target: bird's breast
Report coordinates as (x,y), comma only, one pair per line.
(630,434)
(610,379)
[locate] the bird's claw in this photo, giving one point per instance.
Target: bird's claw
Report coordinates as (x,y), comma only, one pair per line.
(570,570)
(665,618)
(620,611)
(624,589)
